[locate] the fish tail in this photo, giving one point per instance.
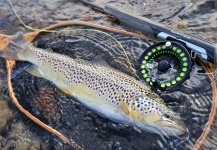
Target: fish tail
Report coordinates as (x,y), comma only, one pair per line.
(16,49)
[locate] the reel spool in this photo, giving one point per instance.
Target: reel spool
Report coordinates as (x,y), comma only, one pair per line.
(165,65)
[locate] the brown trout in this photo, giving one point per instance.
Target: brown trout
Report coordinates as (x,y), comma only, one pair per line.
(104,90)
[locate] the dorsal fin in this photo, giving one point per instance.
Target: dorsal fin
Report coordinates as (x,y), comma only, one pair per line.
(100,61)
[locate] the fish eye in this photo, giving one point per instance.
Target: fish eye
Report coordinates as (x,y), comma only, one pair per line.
(167,116)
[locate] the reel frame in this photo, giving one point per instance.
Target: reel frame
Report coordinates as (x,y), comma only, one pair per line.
(172,48)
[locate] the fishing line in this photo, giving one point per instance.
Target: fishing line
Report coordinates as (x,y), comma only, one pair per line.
(28,27)
(125,53)
(54,31)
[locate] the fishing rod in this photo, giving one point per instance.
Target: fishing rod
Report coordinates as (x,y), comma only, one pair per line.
(165,64)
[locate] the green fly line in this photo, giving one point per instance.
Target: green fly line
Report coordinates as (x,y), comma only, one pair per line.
(52,31)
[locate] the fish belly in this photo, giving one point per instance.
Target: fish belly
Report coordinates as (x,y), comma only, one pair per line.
(106,110)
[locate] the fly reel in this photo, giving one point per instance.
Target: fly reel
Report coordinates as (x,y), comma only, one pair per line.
(165,65)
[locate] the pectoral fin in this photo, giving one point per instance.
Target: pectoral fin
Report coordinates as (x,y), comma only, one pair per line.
(35,71)
(124,106)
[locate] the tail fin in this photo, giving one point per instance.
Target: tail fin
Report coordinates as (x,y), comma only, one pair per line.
(16,48)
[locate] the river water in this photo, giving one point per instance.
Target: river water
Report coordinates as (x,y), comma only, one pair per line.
(193,100)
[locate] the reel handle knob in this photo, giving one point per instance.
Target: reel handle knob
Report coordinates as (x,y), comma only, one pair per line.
(168,44)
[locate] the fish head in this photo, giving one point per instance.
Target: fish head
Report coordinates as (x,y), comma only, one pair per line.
(156,117)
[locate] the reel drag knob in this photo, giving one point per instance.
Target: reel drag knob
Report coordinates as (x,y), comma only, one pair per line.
(163,65)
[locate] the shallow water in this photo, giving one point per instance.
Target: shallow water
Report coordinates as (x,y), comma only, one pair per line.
(192,100)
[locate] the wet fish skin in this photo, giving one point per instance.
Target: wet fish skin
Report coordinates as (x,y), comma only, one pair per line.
(106,91)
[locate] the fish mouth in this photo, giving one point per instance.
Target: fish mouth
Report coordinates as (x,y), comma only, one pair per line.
(178,128)
(185,135)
